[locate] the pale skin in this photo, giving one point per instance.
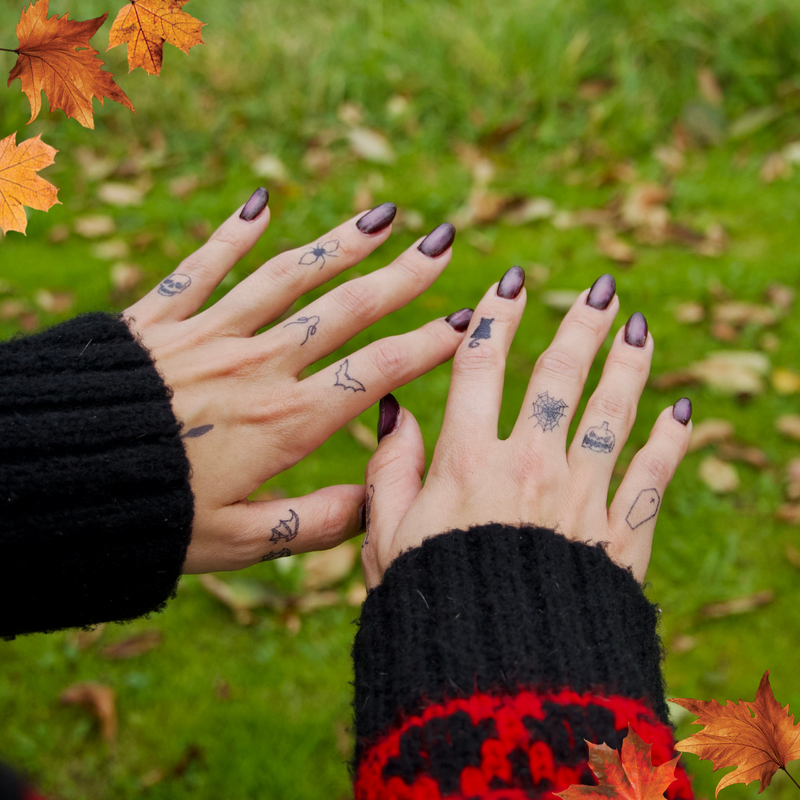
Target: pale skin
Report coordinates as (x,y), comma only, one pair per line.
(246,415)
(535,476)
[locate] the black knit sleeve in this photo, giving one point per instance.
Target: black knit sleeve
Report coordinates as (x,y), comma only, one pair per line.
(486,658)
(95,503)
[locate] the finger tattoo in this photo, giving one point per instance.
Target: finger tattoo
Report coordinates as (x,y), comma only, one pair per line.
(483,331)
(312,323)
(286,529)
(273,554)
(644,508)
(601,439)
(194,433)
(344,380)
(548,411)
(319,252)
(174,284)
(368,513)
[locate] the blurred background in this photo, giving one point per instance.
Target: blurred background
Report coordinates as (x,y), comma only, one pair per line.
(659,141)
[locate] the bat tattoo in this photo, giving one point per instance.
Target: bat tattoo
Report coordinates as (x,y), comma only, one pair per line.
(367,513)
(273,554)
(286,529)
(644,508)
(194,433)
(312,323)
(600,439)
(322,251)
(175,284)
(483,331)
(345,381)
(548,411)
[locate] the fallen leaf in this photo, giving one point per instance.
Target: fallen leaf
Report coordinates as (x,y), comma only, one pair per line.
(789,512)
(318,160)
(793,556)
(54,56)
(703,122)
(753,120)
(793,479)
(609,244)
(710,431)
(732,372)
(125,277)
(350,113)
(683,643)
(311,601)
(672,158)
(757,738)
(111,250)
(120,194)
(784,381)
(145,25)
(775,168)
(99,700)
(644,211)
(20,185)
(94,226)
(94,167)
(789,425)
(54,302)
(724,332)
(356,594)
(241,597)
(132,646)
(709,87)
(371,145)
(739,605)
(183,186)
(732,451)
(714,242)
(595,88)
(718,475)
(769,341)
(690,313)
(524,211)
(84,639)
(559,299)
(483,206)
(272,168)
(409,219)
(365,436)
(327,567)
(741,313)
(628,774)
(12,309)
(58,233)
(780,296)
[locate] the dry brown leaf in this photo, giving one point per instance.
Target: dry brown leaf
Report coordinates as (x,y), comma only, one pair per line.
(789,425)
(789,512)
(145,25)
(775,168)
(94,167)
(132,646)
(111,250)
(559,299)
(732,451)
(125,277)
(708,86)
(318,160)
(84,639)
(714,242)
(120,194)
(741,313)
(54,302)
(769,342)
(482,207)
(241,597)
(12,309)
(784,381)
(671,158)
(269,166)
(100,701)
(718,475)
(371,145)
(609,244)
(409,219)
(327,567)
(683,643)
(724,332)
(793,556)
(710,431)
(365,436)
(690,313)
(350,113)
(183,186)
(524,211)
(732,372)
(780,296)
(793,479)
(94,226)
(313,600)
(739,605)
(58,233)
(644,211)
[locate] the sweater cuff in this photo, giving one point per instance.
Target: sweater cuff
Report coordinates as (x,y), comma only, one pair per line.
(493,610)
(95,503)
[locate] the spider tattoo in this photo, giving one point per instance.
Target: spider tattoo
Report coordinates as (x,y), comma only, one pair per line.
(322,251)
(548,411)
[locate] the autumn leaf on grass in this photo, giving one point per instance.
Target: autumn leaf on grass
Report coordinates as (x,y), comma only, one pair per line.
(19,184)
(146,24)
(55,57)
(632,777)
(758,738)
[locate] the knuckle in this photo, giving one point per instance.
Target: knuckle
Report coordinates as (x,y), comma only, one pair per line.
(558,364)
(527,464)
(336,518)
(414,268)
(386,462)
(635,367)
(226,237)
(359,302)
(593,325)
(478,359)
(610,406)
(660,468)
(281,269)
(392,361)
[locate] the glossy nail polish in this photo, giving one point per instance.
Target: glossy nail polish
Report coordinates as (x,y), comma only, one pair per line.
(378,219)
(255,205)
(438,240)
(459,320)
(388,412)
(511,283)
(362,517)
(636,330)
(682,410)
(602,292)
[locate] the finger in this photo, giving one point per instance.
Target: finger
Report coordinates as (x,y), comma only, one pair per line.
(393,481)
(476,387)
(560,373)
(183,292)
(250,532)
(634,512)
(610,412)
(332,320)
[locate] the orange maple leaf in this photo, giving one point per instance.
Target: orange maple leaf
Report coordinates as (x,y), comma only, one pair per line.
(146,24)
(759,737)
(55,57)
(633,777)
(19,184)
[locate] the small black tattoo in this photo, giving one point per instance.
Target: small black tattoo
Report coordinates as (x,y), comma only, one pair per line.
(312,323)
(600,439)
(273,554)
(322,251)
(483,331)
(195,432)
(345,381)
(175,284)
(548,411)
(286,529)
(368,513)
(644,508)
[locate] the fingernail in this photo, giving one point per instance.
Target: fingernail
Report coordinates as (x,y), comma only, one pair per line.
(636,330)
(362,517)
(511,283)
(378,219)
(255,205)
(682,410)
(459,320)
(602,292)
(438,240)
(388,412)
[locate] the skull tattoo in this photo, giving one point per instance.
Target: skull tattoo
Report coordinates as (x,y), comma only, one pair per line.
(175,284)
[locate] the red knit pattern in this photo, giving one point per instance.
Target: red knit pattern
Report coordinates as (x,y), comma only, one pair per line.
(507,712)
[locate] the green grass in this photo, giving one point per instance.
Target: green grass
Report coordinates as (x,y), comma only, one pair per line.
(271,79)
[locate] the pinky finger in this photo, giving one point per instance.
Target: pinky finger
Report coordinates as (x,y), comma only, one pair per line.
(634,512)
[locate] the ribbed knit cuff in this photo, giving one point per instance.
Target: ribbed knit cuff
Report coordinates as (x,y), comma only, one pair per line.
(95,503)
(498,609)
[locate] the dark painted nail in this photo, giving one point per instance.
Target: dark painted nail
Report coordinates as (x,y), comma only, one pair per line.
(438,240)
(389,411)
(636,330)
(378,219)
(255,205)
(459,320)
(511,283)
(602,292)
(362,517)
(682,410)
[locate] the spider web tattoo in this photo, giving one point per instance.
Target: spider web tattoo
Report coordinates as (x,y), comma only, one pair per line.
(548,411)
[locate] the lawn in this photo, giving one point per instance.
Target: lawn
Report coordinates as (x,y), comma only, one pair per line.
(480,108)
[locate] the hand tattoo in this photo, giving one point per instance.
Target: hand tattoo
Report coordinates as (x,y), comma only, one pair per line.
(175,284)
(322,251)
(286,529)
(345,381)
(195,432)
(312,323)
(483,331)
(367,514)
(548,411)
(273,554)
(644,508)
(600,439)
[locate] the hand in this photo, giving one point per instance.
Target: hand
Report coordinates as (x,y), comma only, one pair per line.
(532,477)
(246,415)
